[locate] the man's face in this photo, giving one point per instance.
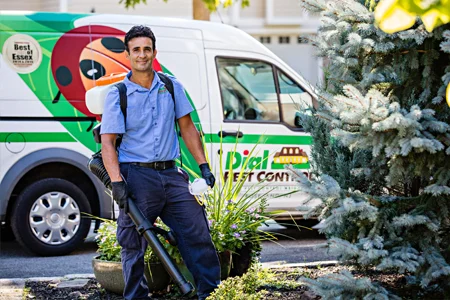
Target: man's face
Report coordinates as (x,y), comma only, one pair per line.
(141,54)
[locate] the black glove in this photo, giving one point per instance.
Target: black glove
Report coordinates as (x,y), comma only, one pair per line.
(207,175)
(120,194)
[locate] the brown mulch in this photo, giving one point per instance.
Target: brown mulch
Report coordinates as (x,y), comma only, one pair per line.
(393,282)
(93,291)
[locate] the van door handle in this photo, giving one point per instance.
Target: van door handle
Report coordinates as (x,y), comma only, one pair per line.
(237,134)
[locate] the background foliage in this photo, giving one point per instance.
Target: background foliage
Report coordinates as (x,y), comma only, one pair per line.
(212,5)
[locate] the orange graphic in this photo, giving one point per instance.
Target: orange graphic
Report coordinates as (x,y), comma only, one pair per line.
(99,59)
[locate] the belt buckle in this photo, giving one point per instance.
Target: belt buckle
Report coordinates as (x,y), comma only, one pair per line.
(159,165)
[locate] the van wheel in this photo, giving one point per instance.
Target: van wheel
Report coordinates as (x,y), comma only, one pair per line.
(47,218)
(6,234)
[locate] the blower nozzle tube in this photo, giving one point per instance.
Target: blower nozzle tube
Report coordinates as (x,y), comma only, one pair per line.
(144,227)
(95,165)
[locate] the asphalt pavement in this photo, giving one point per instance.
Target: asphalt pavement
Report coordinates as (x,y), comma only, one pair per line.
(294,246)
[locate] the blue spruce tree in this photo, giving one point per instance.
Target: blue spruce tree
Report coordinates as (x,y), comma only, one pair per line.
(384,167)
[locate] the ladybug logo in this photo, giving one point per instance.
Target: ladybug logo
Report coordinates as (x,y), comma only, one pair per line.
(83,55)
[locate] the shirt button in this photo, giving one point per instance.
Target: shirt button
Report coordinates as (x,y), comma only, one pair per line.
(153,108)
(156,123)
(156,155)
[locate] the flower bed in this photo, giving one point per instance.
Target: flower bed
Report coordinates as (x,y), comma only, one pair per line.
(280,284)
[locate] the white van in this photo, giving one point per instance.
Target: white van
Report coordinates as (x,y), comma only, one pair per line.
(48,61)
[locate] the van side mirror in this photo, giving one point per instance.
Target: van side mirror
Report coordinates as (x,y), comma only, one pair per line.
(297,120)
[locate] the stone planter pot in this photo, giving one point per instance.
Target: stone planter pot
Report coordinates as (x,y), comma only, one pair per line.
(157,277)
(241,261)
(109,275)
(225,263)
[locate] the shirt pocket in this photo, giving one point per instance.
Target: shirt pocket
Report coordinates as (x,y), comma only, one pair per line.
(167,106)
(135,117)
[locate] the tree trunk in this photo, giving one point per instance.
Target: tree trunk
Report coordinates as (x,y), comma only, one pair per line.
(415,186)
(200,10)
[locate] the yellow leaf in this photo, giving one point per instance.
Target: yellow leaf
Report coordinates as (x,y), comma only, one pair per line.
(431,19)
(391,17)
(383,8)
(448,95)
(424,5)
(396,15)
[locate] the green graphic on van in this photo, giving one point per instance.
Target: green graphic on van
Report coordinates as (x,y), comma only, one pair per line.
(72,59)
(263,168)
(287,155)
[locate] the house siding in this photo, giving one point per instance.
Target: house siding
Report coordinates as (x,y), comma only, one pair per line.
(49,5)
(287,9)
(171,8)
(257,9)
(32,5)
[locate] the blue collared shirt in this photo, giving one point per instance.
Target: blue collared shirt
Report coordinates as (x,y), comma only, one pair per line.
(150,133)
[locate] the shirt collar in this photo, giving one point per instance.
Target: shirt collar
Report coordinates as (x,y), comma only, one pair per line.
(133,87)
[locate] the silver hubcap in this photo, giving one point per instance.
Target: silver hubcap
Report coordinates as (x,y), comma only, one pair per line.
(55,218)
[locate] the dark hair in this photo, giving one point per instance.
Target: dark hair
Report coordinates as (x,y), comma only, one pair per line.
(139,31)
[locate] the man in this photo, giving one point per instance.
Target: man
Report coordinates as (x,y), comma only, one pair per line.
(145,168)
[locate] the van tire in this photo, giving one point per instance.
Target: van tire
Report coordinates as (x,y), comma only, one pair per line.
(27,200)
(6,234)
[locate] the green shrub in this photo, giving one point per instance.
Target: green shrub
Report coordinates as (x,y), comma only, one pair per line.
(252,285)
(109,248)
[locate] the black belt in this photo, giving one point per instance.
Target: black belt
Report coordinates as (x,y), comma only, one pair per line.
(157,165)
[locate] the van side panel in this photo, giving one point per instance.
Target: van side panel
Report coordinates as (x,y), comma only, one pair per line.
(44,156)
(188,66)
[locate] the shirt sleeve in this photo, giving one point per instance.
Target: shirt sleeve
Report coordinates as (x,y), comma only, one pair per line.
(182,104)
(112,118)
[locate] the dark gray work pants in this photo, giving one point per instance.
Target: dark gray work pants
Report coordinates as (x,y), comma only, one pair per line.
(165,193)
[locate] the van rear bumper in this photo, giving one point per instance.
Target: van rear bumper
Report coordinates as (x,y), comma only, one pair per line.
(292,208)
